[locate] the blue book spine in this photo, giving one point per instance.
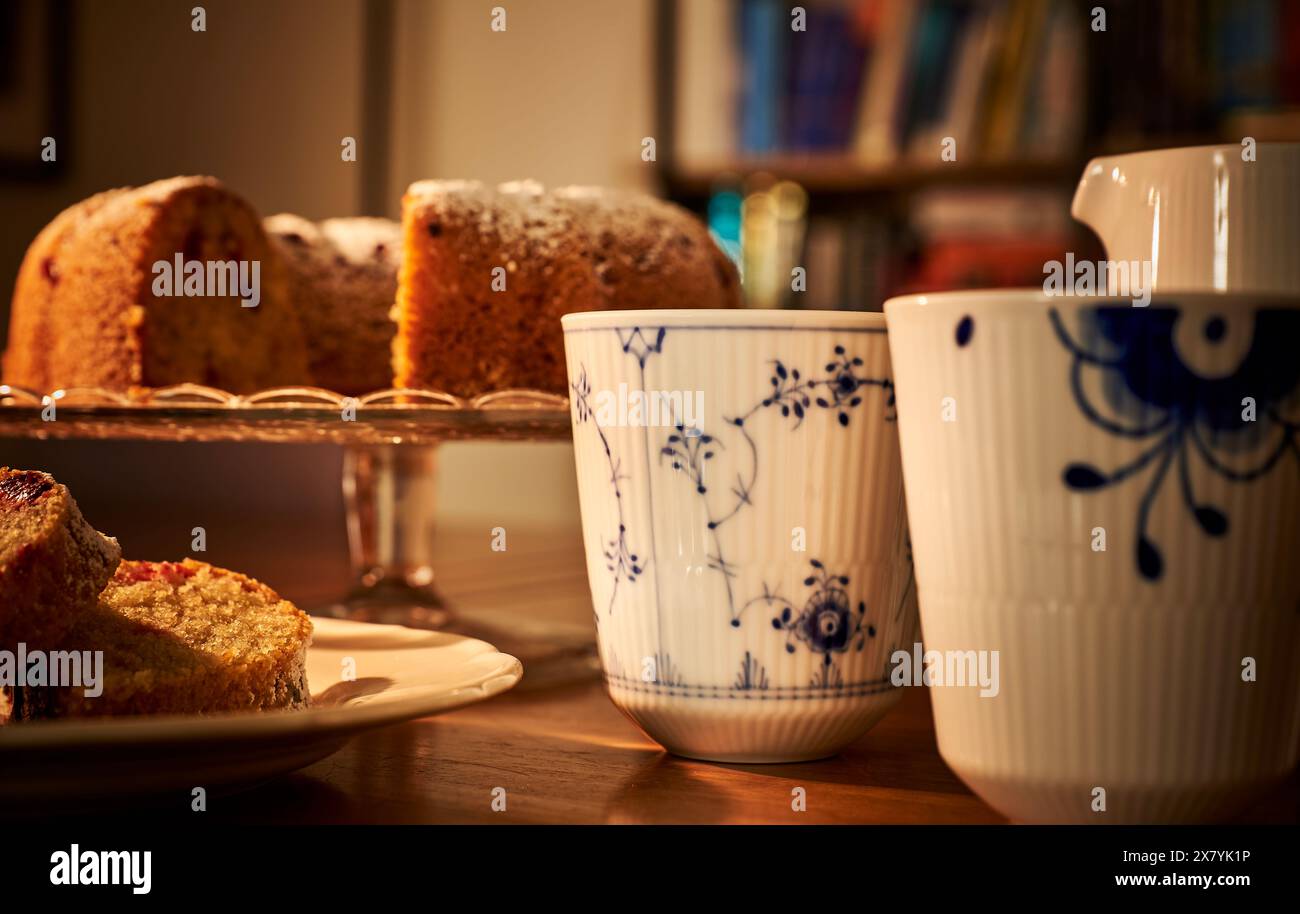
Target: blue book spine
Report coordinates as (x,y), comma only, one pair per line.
(763,30)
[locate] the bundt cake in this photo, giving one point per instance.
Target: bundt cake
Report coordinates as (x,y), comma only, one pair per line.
(183,638)
(343,282)
(485,275)
(95,307)
(467,327)
(53,564)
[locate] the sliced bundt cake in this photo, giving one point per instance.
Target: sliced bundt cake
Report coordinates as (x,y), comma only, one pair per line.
(53,564)
(133,287)
(184,638)
(487,273)
(99,301)
(343,280)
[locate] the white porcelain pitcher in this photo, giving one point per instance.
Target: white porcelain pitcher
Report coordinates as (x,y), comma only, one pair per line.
(1209,218)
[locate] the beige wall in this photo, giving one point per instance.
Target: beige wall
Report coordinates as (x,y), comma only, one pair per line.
(563,95)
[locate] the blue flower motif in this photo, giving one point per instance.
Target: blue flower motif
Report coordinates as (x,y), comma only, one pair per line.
(793,393)
(828,623)
(1153,394)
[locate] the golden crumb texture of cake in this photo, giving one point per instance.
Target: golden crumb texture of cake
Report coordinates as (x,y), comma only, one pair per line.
(487,273)
(343,279)
(53,564)
(93,308)
(184,638)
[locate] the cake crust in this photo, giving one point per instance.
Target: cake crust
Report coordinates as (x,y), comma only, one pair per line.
(53,564)
(84,312)
(572,249)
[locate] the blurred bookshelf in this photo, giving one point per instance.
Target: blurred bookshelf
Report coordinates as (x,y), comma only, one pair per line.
(888,146)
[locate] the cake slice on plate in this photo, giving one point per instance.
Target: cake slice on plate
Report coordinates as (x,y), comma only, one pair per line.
(53,564)
(184,638)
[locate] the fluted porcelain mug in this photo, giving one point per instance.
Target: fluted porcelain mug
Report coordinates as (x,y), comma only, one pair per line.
(1207,218)
(1108,497)
(742,510)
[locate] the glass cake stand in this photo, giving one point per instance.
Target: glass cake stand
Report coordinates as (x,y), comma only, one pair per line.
(390,441)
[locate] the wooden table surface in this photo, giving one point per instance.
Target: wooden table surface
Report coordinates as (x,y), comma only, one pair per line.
(564,754)
(567,755)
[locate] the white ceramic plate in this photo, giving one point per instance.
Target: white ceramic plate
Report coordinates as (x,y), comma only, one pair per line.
(401,674)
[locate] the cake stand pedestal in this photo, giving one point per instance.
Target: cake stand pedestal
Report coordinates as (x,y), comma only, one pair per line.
(390,493)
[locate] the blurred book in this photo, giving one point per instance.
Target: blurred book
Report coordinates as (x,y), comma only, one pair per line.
(967,239)
(848,262)
(966,93)
(890,26)
(1007,80)
(1054,115)
(764,25)
(824,260)
(826,68)
(1246,51)
(849,95)
(940,32)
(1013,82)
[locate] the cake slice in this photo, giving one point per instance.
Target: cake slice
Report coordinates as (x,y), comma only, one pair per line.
(183,638)
(486,274)
(343,281)
(53,564)
(98,302)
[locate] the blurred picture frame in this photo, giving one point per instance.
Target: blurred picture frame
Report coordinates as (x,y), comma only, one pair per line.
(35,87)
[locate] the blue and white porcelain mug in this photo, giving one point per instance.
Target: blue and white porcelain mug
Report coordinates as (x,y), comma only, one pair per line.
(742,509)
(1108,496)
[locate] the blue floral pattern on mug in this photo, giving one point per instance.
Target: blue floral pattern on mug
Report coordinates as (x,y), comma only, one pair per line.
(1240,423)
(795,394)
(622,563)
(828,623)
